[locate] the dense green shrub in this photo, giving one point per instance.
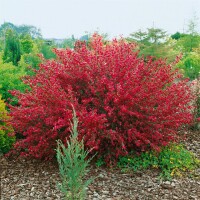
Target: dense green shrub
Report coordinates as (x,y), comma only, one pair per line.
(10,79)
(190,65)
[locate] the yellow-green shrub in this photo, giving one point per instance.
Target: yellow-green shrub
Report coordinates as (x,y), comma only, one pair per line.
(6,138)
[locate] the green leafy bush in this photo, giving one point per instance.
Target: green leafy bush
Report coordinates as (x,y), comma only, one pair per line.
(190,65)
(173,160)
(73,166)
(6,139)
(10,79)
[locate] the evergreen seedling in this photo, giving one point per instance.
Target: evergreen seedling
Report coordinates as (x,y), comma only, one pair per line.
(73,165)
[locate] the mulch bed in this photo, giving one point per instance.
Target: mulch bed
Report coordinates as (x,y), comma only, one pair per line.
(24,179)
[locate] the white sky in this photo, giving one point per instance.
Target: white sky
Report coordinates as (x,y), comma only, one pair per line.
(62,18)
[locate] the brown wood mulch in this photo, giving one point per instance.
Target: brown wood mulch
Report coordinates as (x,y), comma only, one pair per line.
(31,179)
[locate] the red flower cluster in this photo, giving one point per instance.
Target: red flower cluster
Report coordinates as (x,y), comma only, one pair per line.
(123,103)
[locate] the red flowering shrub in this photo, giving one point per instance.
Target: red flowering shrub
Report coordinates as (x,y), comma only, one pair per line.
(122,102)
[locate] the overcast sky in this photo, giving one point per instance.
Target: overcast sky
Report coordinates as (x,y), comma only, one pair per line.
(62,18)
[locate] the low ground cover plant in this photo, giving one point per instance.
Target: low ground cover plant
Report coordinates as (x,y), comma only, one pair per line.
(6,131)
(173,160)
(123,102)
(73,165)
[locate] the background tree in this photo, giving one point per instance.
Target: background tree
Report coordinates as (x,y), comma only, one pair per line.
(177,35)
(30,61)
(21,30)
(154,42)
(5,26)
(45,47)
(69,42)
(188,42)
(12,52)
(30,30)
(26,43)
(189,45)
